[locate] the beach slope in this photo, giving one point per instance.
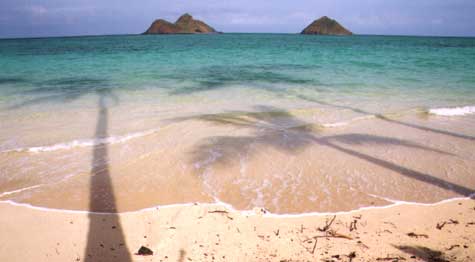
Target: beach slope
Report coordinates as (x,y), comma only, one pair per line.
(402,232)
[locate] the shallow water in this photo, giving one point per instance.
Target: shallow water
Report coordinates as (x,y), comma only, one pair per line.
(291,123)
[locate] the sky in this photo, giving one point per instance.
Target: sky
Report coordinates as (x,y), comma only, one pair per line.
(40,18)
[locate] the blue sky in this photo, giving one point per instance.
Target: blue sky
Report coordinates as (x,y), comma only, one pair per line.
(27,18)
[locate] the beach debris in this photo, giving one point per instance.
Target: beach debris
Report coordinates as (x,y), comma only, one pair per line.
(390,223)
(353,225)
(362,244)
(392,259)
(453,221)
(260,211)
(328,234)
(452,247)
(334,234)
(144,251)
(352,255)
(223,212)
(328,224)
(412,234)
(439,226)
(219,211)
(276,233)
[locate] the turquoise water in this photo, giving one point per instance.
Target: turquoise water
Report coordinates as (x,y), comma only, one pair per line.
(185,112)
(440,69)
(346,77)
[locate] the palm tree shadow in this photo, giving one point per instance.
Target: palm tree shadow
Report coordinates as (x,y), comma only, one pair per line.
(269,131)
(105,240)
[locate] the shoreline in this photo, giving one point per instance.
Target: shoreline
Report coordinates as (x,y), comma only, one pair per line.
(266,213)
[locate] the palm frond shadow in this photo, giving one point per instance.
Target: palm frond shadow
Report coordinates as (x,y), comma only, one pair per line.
(279,129)
(63,90)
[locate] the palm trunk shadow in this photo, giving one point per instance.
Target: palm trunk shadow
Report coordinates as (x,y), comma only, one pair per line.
(461,190)
(105,240)
(384,118)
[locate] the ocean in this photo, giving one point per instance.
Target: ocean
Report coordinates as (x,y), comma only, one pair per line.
(291,123)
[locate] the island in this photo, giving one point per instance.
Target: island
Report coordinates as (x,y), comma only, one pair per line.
(325,26)
(184,25)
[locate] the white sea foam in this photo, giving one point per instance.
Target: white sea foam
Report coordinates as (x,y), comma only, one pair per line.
(453,111)
(220,205)
(83,143)
(18,190)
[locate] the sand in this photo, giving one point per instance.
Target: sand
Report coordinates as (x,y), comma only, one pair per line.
(403,232)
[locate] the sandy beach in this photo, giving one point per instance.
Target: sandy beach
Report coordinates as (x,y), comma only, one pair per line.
(403,232)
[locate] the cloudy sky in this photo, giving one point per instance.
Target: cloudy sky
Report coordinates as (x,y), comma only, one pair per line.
(28,18)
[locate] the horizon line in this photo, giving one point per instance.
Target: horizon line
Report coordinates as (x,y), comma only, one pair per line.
(220,33)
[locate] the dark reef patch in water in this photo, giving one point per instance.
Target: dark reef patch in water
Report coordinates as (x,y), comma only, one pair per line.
(215,77)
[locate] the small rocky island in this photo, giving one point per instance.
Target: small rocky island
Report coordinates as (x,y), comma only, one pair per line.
(184,25)
(325,26)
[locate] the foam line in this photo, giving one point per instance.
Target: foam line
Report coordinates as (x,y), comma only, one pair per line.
(83,143)
(18,190)
(219,204)
(453,111)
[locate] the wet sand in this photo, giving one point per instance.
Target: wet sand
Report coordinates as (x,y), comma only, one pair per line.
(406,232)
(279,160)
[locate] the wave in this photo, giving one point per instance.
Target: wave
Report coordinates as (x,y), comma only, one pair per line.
(453,111)
(83,143)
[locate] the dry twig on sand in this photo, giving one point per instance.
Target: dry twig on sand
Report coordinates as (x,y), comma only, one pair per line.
(412,234)
(328,224)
